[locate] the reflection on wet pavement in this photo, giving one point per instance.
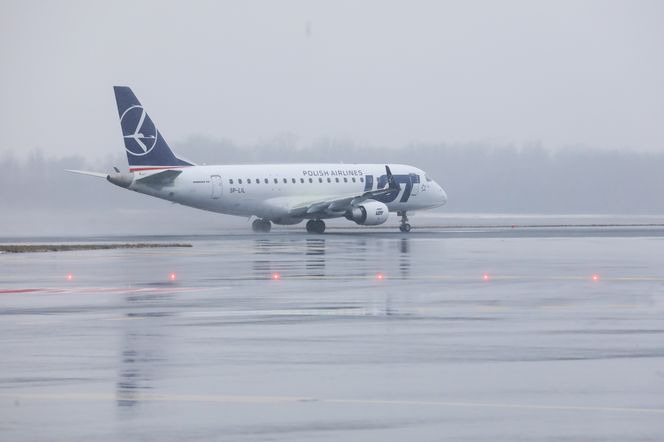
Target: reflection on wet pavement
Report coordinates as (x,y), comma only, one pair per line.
(141,348)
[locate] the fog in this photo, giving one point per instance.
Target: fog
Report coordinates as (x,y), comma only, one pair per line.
(386,73)
(513,106)
(40,198)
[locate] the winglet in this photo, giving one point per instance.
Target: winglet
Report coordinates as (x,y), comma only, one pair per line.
(392,183)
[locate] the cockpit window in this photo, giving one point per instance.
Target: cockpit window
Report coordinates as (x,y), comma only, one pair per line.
(427,178)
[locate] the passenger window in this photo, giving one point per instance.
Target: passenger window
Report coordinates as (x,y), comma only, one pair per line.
(361,179)
(345,180)
(285,181)
(336,180)
(266,181)
(239,181)
(302,180)
(258,180)
(320,180)
(353,179)
(276,181)
(230,181)
(293,180)
(311,180)
(329,180)
(248,180)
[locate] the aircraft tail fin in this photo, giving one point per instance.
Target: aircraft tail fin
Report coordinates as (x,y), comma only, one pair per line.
(146,147)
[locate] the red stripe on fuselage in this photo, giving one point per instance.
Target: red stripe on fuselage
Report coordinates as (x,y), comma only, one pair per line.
(138,169)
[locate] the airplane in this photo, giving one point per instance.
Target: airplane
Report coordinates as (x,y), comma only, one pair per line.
(283,194)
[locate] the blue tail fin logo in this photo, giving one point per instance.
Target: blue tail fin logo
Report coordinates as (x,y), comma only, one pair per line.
(145,146)
(138,130)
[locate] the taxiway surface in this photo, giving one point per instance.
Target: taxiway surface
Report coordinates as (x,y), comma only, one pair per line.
(459,334)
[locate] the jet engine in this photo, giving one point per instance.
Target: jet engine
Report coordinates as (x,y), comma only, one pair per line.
(370,213)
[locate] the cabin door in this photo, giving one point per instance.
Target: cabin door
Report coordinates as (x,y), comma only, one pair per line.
(216,186)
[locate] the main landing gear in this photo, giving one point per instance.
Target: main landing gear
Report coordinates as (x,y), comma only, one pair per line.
(404,227)
(315,226)
(261,225)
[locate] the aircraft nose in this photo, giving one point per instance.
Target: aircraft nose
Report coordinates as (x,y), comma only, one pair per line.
(442,196)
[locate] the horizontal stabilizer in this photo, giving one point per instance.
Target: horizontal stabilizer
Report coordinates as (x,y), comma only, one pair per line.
(85,172)
(162,178)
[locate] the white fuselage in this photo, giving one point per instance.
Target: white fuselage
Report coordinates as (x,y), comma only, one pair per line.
(271,191)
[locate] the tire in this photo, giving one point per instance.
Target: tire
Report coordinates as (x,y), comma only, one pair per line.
(405,228)
(315,226)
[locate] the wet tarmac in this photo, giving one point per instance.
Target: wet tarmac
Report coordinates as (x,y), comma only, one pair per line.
(476,334)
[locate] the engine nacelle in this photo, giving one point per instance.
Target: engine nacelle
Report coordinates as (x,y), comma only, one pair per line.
(370,213)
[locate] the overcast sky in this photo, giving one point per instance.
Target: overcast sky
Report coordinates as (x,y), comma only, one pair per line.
(561,73)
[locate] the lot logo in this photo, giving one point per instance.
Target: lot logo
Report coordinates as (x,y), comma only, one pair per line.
(140,133)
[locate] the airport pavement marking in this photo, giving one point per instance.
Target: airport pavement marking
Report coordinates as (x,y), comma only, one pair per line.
(367,274)
(145,397)
(124,318)
(623,306)
(493,308)
(557,306)
(180,286)
(121,290)
(17,291)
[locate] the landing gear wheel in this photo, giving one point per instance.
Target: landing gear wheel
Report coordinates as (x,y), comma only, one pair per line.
(404,227)
(261,225)
(315,226)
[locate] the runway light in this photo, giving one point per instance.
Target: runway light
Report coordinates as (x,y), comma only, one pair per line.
(380,276)
(595,277)
(172,276)
(485,277)
(70,277)
(276,276)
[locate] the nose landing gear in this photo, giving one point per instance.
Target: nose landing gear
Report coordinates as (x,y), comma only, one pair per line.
(315,226)
(404,227)
(261,225)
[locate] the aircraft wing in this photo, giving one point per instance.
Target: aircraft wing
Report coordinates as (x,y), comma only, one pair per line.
(340,204)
